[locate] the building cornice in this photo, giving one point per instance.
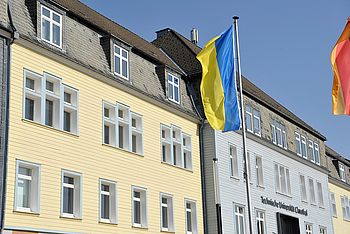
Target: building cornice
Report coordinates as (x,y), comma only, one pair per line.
(106,78)
(339,183)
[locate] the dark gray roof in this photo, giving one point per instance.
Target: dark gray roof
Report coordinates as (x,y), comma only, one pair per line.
(332,153)
(185,56)
(82,32)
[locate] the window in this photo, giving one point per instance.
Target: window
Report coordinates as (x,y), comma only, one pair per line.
(278,134)
(239,219)
(308,228)
(303,147)
(173,88)
(282,179)
(233,161)
(303,188)
(108,201)
(323,230)
(259,171)
(139,207)
(44,105)
(121,62)
(312,191)
(320,194)
(252,120)
(298,144)
(122,128)
(176,147)
(191,217)
(167,215)
(249,173)
(342,172)
(345,207)
(333,204)
(51,26)
(260,222)
(311,151)
(27,195)
(71,195)
(317,154)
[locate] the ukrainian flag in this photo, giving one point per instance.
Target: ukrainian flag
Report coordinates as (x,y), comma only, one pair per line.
(218,86)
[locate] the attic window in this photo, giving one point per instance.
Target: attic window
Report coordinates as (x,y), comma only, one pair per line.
(121,62)
(173,88)
(51,26)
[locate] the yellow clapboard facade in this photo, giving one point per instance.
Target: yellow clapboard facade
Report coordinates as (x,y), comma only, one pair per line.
(340,225)
(84,153)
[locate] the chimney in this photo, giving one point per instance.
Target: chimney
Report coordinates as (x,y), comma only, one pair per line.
(194,36)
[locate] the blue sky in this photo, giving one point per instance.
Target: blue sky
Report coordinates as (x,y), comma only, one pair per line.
(285,46)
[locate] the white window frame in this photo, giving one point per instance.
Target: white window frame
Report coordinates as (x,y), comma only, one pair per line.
(312,191)
(303,189)
(259,171)
(176,158)
(121,58)
(281,138)
(308,228)
(282,176)
(342,174)
(193,211)
(303,142)
(311,151)
(40,94)
(113,201)
(333,204)
(143,207)
(249,114)
(233,154)
(173,85)
(317,152)
(261,221)
(323,230)
(345,207)
(239,215)
(77,194)
(257,116)
(170,212)
(34,178)
(320,194)
(297,143)
(51,22)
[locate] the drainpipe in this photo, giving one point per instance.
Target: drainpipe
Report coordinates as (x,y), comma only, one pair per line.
(14,35)
(201,145)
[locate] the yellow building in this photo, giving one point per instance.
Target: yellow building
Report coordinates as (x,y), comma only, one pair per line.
(339,189)
(103,136)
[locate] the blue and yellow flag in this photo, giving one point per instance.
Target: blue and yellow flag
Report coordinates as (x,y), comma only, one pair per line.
(218,86)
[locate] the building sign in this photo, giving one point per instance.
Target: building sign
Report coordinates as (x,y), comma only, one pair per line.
(283,206)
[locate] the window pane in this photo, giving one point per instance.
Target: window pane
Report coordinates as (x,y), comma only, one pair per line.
(68,180)
(116,65)
(67,97)
(125,54)
(45,30)
(49,86)
(45,12)
(116,50)
(68,196)
(176,80)
(170,90)
(56,35)
(121,136)
(30,83)
(66,121)
(106,136)
(23,193)
(176,91)
(105,206)
(56,18)
(125,68)
(137,212)
(170,78)
(249,124)
(49,113)
(165,217)
(189,221)
(134,143)
(29,109)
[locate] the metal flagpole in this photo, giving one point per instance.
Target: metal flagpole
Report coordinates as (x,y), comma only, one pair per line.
(246,176)
(217,195)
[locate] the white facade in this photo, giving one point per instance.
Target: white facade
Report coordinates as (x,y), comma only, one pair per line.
(233,190)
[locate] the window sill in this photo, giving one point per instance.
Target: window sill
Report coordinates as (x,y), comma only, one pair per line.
(165,231)
(70,217)
(234,178)
(285,195)
(115,147)
(139,227)
(19,211)
(305,202)
(107,223)
(260,186)
(313,204)
(50,128)
(185,169)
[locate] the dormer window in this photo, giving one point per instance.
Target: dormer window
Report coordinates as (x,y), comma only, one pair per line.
(121,62)
(173,88)
(51,26)
(342,172)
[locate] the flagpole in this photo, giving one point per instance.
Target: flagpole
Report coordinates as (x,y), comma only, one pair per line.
(246,176)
